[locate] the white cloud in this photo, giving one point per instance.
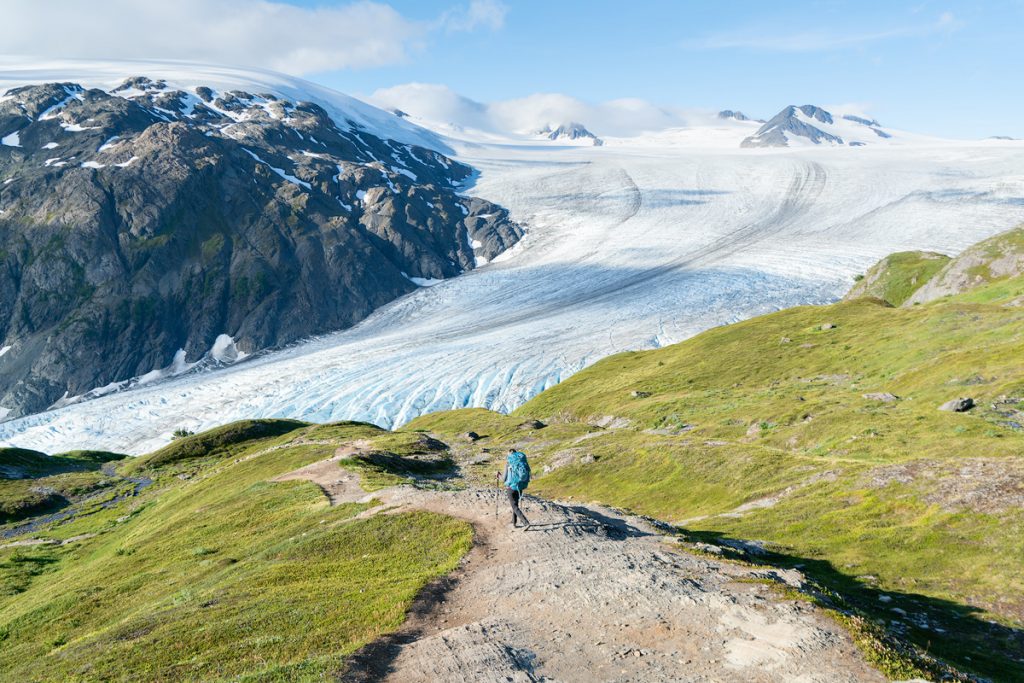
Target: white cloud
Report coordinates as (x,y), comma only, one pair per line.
(817,40)
(433,102)
(254,33)
(479,13)
(440,104)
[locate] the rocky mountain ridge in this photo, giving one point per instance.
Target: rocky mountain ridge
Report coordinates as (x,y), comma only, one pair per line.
(148,227)
(810,124)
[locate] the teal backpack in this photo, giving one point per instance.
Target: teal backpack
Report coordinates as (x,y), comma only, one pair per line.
(518,476)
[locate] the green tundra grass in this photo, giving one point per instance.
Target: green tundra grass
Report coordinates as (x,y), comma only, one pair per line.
(896,277)
(214,572)
(816,430)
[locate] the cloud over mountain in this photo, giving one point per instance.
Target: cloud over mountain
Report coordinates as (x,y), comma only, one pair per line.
(261,33)
(624,116)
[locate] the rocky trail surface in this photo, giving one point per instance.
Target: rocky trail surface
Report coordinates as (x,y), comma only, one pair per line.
(591,594)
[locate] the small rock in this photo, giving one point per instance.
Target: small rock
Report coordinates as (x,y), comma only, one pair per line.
(786,340)
(708,548)
(471,436)
(958,405)
(587,459)
(828,326)
(640,394)
(884,397)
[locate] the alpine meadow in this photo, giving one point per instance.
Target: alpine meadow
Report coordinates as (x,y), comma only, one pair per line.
(486,341)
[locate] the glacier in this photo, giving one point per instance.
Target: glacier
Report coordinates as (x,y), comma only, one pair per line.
(634,245)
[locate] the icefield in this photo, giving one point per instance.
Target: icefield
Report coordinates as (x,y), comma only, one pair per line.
(633,245)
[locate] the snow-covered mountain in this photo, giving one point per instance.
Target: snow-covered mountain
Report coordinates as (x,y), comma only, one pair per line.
(574,132)
(629,247)
(731,114)
(810,125)
(639,243)
(187,76)
(155,227)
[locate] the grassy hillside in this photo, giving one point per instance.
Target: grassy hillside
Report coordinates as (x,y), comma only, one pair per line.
(896,277)
(997,259)
(33,483)
(210,571)
(817,431)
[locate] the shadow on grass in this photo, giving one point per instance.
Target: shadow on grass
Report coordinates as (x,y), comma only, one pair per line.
(375,660)
(959,634)
(432,468)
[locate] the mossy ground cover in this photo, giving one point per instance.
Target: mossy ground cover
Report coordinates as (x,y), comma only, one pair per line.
(213,572)
(33,483)
(761,430)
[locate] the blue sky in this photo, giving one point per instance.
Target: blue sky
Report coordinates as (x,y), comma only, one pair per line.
(952,69)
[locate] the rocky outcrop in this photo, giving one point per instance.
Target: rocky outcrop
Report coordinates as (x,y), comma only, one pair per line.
(895,278)
(996,258)
(788,121)
(147,228)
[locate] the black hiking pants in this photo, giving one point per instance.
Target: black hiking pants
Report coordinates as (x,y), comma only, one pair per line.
(517,514)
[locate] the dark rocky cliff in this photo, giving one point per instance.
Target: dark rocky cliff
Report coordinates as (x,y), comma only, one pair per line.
(139,226)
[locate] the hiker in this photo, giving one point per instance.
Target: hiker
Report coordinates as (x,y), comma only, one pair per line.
(516,478)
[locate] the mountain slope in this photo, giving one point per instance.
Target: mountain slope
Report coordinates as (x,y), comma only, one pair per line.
(228,564)
(997,259)
(149,227)
(811,125)
(206,565)
(627,250)
(896,277)
(817,433)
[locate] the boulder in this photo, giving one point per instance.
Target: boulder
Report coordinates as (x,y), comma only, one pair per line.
(471,436)
(958,405)
(640,394)
(532,424)
(882,396)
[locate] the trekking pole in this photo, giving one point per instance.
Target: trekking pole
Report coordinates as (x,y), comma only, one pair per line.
(497,494)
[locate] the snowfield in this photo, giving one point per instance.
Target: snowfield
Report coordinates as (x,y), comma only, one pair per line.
(632,245)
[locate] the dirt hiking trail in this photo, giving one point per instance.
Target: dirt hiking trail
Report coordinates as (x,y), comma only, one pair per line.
(590,594)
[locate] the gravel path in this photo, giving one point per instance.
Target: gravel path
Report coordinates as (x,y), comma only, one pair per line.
(589,594)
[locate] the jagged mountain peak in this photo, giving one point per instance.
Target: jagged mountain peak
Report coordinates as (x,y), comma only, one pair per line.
(811,124)
(570,131)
